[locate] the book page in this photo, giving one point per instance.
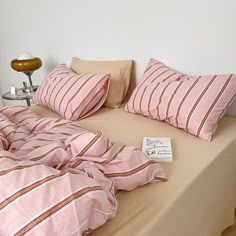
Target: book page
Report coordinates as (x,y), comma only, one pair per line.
(158,148)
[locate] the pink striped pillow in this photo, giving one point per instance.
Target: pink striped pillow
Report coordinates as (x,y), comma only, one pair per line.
(194,103)
(71,95)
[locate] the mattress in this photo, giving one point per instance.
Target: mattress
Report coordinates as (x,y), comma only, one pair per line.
(199,197)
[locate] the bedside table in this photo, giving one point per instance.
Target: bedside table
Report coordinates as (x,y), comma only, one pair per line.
(20,95)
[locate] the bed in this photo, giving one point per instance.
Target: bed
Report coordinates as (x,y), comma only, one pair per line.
(200,195)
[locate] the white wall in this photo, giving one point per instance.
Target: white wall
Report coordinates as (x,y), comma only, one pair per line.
(192,36)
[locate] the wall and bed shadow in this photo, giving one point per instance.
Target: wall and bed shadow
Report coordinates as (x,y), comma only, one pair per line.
(195,37)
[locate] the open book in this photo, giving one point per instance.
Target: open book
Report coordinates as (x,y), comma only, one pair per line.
(158,148)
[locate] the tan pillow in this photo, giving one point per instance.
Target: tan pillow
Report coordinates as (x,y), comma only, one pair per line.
(120,73)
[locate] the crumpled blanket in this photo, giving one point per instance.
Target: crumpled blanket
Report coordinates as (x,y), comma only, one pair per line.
(57,178)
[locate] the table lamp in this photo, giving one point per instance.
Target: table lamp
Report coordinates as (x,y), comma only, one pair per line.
(27,64)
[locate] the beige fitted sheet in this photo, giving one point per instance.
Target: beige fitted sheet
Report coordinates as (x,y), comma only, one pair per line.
(200,196)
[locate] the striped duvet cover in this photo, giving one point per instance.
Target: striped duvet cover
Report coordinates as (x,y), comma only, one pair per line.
(59,179)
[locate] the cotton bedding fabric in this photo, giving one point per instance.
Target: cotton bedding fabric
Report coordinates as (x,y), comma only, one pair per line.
(57,178)
(199,197)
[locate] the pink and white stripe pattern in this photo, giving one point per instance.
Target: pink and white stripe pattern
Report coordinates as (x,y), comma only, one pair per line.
(192,103)
(59,179)
(72,95)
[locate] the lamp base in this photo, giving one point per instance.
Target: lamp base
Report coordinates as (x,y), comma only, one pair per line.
(30,89)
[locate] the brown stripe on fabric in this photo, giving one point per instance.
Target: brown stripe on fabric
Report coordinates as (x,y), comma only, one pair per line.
(56,125)
(213,104)
(89,175)
(171,98)
(160,99)
(4,142)
(60,69)
(60,89)
(65,73)
(57,71)
(155,78)
(39,94)
(45,154)
(16,132)
(80,134)
(58,120)
(68,126)
(79,89)
(90,144)
(56,208)
(7,127)
(41,140)
(68,146)
(112,191)
(4,109)
(154,89)
(18,140)
(198,100)
(62,133)
(64,163)
(84,112)
(41,89)
(76,125)
(229,103)
(4,172)
(45,95)
(154,64)
(141,100)
(131,172)
(69,90)
(77,163)
(18,112)
(183,100)
(76,109)
(1,135)
(139,86)
(33,186)
(31,122)
(114,157)
(29,117)
(40,122)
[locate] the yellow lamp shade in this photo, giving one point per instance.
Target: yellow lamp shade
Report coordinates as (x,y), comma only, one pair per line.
(26,65)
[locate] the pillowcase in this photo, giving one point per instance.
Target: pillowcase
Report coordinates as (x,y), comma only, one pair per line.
(192,103)
(120,73)
(71,95)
